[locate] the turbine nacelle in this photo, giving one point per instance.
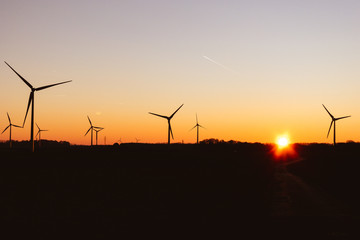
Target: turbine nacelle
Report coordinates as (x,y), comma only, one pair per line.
(31,101)
(39,130)
(333,121)
(10,124)
(9,127)
(98,129)
(197,125)
(168,118)
(93,128)
(31,96)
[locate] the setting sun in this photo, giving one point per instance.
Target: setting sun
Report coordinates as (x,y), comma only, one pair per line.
(282,142)
(283,149)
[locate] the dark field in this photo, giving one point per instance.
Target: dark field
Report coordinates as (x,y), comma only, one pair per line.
(181,191)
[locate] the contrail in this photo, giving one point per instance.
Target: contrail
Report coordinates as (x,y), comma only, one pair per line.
(219,64)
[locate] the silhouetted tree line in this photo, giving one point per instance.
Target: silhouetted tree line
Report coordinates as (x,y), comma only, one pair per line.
(42,144)
(217,141)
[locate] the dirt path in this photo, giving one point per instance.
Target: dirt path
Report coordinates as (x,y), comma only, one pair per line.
(294,197)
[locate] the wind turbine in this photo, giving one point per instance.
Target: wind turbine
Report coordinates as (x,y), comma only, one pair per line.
(168,119)
(92,129)
(96,131)
(39,133)
(197,129)
(9,126)
(333,120)
(31,101)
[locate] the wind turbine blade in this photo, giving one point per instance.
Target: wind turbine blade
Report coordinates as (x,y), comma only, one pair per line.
(202,126)
(328,112)
(37,134)
(171,131)
(88,131)
(158,115)
(17,126)
(193,128)
(26,82)
(342,117)
(330,128)
(176,111)
(99,128)
(51,85)
(27,110)
(8,117)
(89,121)
(37,126)
(5,129)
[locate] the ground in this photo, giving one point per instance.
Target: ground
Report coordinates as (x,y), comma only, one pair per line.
(179,191)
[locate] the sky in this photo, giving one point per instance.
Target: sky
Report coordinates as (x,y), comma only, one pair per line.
(250,69)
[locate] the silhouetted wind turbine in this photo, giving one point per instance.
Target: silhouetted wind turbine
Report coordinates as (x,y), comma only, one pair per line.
(98,129)
(168,119)
(197,129)
(333,120)
(39,133)
(92,129)
(31,101)
(10,126)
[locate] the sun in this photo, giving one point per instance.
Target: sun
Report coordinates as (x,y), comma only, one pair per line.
(283,142)
(284,150)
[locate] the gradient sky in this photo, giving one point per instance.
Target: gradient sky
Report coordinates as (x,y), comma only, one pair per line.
(251,70)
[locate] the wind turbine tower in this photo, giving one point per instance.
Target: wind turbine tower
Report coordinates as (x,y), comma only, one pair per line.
(92,128)
(168,119)
(10,126)
(31,102)
(98,129)
(333,120)
(39,133)
(197,126)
